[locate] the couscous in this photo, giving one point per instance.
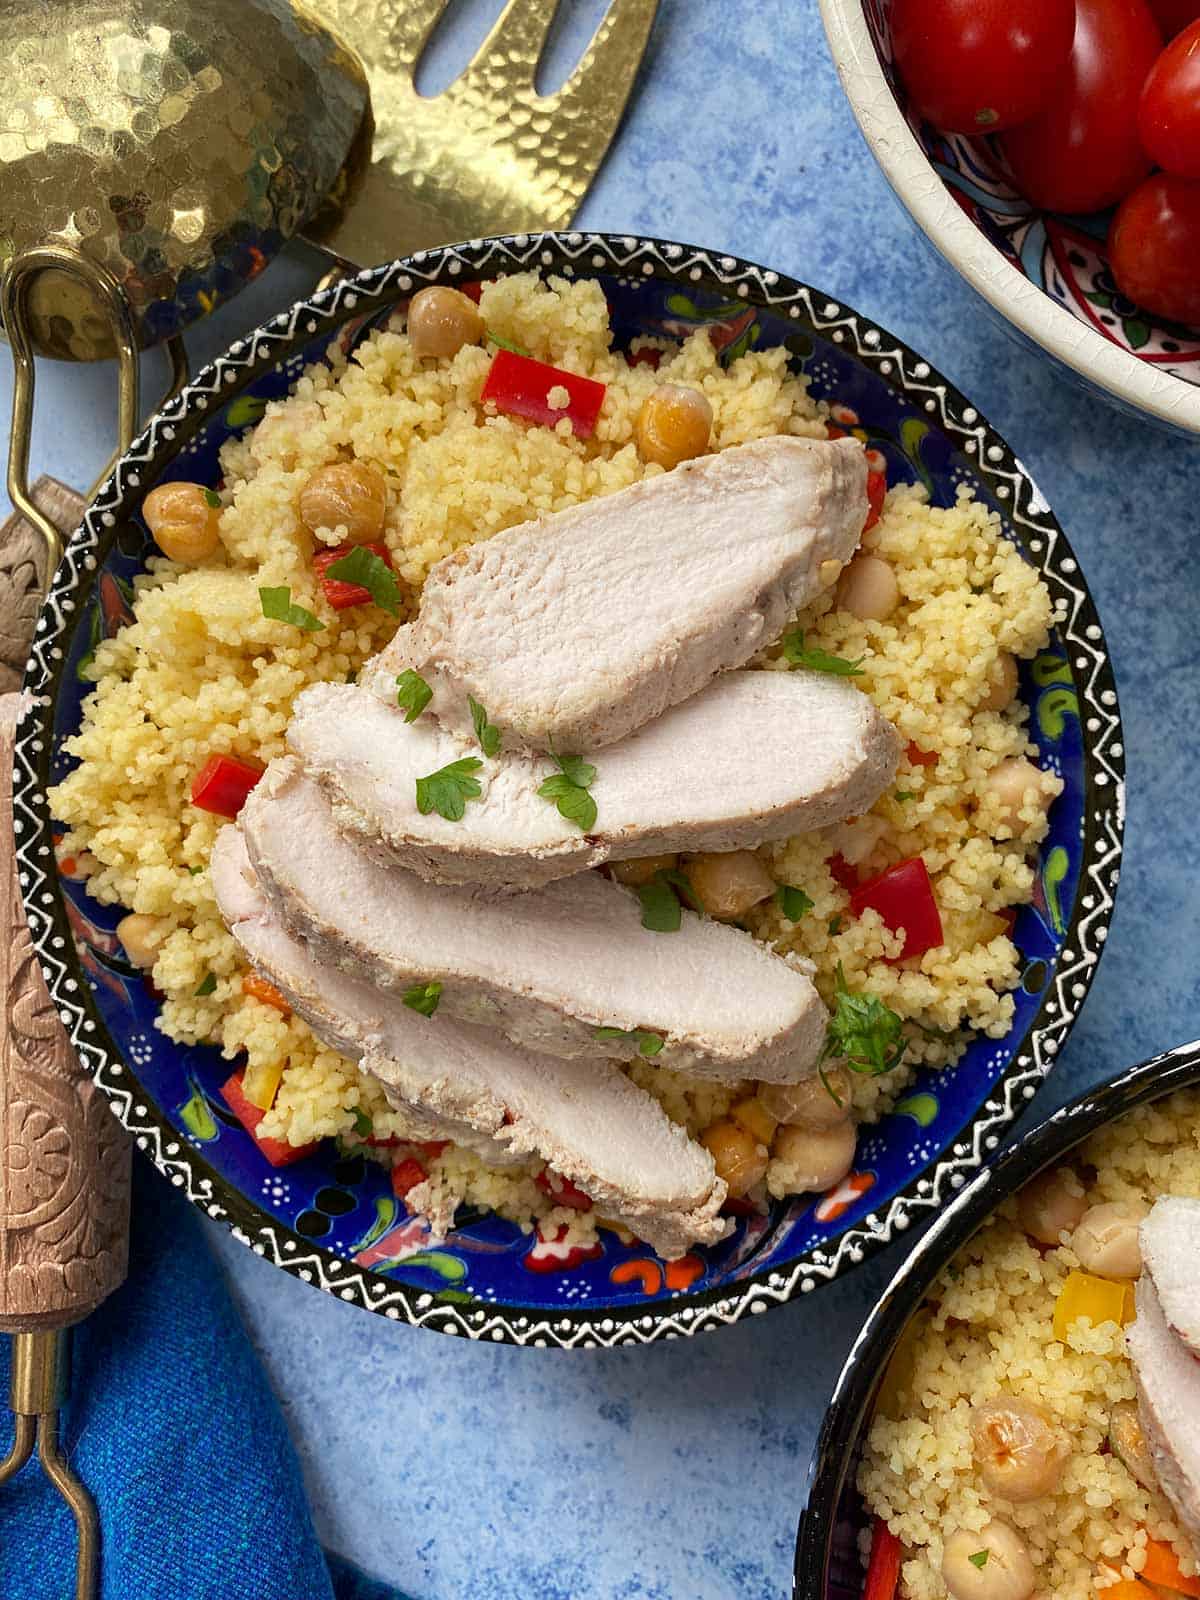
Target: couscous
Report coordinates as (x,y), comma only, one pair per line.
(398,451)
(1006,1455)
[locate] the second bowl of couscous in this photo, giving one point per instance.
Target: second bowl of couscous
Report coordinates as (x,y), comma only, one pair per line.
(988,1438)
(155,661)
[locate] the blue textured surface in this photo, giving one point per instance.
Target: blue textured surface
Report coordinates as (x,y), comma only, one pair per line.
(676,1472)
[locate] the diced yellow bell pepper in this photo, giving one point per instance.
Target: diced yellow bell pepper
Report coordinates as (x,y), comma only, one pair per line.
(755,1118)
(1098,1299)
(260,1084)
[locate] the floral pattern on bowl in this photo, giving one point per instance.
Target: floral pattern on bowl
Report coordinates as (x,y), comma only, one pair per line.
(331,1217)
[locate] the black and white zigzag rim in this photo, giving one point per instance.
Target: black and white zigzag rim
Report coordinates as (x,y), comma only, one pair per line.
(581,254)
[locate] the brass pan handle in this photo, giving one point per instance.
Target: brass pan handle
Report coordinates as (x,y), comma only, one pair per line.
(14,313)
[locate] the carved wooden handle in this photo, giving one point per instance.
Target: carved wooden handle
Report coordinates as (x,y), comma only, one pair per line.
(64,1158)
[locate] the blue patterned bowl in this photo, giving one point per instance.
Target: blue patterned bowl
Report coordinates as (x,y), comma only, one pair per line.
(828,1565)
(1046,275)
(332,1220)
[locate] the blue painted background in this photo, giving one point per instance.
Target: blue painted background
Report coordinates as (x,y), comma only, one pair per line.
(676,1473)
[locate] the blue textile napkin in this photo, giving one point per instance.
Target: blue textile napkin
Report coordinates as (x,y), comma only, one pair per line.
(174,1429)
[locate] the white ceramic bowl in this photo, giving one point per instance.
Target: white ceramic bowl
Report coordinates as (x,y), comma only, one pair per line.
(1050,279)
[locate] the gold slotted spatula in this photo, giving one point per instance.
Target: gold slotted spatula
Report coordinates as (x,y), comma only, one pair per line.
(489,154)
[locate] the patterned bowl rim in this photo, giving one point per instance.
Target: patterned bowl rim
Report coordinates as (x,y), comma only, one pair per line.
(584,254)
(909,171)
(1043,1146)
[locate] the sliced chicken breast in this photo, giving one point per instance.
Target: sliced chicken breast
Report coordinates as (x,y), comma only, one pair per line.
(1168,1380)
(453,1081)
(577,628)
(556,970)
(1170,1238)
(754,756)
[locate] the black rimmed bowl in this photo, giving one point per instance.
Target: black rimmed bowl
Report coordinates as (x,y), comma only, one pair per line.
(332,1220)
(828,1566)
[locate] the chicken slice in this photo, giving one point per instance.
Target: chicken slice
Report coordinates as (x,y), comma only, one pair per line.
(454,1081)
(575,629)
(1170,1239)
(754,756)
(1168,1380)
(557,970)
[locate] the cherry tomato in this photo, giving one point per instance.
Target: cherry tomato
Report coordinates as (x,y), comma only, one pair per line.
(1083,152)
(1154,247)
(1174,15)
(1169,116)
(974,66)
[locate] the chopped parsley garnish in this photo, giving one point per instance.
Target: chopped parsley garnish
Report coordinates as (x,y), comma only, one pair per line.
(277,606)
(979,1559)
(568,789)
(213,499)
(195,871)
(362,1123)
(486,732)
(423,998)
(506,344)
(649,1044)
(905,794)
(829,1089)
(662,899)
(794,903)
(661,911)
(208,985)
(863,1031)
(798,655)
(413,694)
(364,568)
(835,925)
(447,790)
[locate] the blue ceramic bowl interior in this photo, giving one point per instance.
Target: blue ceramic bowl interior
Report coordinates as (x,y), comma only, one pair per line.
(332,1217)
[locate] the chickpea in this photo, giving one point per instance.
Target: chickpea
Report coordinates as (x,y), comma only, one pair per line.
(868,589)
(1006,1573)
(346,494)
(753,1115)
(141,936)
(1128,1442)
(640,869)
(441,321)
(728,883)
(1019,1449)
(1106,1239)
(739,1157)
(673,425)
(1051,1205)
(182,519)
(822,1101)
(1002,684)
(817,1157)
(1014,785)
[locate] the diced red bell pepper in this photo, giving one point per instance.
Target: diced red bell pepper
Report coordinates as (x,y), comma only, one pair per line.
(339,593)
(919,757)
(883,1571)
(876,494)
(521,386)
(562,1191)
(471,290)
(739,1207)
(843,874)
(223,783)
(406,1175)
(384,1142)
(903,897)
(434,1147)
(648,356)
(277,1151)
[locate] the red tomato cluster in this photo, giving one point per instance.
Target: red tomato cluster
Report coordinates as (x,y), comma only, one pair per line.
(1087,103)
